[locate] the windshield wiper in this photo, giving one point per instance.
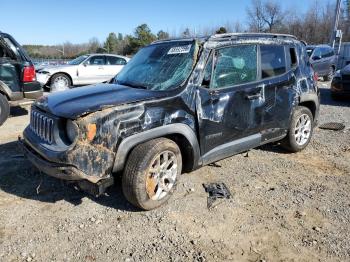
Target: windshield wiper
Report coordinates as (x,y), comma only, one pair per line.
(133,85)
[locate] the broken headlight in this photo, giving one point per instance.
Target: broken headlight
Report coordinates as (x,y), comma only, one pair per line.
(72,130)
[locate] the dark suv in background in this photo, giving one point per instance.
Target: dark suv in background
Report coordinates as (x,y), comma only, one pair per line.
(17,76)
(176,106)
(323,60)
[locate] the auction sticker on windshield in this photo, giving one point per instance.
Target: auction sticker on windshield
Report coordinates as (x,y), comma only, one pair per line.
(179,50)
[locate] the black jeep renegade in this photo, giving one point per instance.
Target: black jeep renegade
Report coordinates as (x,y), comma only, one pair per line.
(176,106)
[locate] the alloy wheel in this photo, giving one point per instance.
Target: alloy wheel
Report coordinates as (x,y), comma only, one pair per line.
(161,175)
(302,129)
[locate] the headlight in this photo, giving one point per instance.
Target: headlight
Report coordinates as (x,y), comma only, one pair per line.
(72,130)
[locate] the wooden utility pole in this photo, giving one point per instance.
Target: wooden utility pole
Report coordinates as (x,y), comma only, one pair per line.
(335,24)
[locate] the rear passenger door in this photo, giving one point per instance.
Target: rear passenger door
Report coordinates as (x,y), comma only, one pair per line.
(277,65)
(327,59)
(113,65)
(10,64)
(316,61)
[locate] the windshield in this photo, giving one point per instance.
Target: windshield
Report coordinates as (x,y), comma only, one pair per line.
(161,66)
(78,60)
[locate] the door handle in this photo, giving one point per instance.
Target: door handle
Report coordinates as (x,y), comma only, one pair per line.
(256,94)
(253,96)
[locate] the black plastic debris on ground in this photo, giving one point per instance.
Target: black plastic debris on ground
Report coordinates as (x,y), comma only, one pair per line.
(333,126)
(216,191)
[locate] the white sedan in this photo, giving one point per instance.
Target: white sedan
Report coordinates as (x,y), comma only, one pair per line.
(84,70)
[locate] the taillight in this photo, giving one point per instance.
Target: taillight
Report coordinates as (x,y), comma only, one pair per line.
(315,75)
(29,74)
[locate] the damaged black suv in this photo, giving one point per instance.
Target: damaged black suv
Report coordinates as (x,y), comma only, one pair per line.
(176,106)
(18,85)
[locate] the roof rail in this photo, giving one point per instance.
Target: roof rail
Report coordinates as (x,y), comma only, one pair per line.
(232,35)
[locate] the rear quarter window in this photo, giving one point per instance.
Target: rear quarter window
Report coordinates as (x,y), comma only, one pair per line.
(273,60)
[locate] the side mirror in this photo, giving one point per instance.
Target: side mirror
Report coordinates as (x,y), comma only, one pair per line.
(85,64)
(316,58)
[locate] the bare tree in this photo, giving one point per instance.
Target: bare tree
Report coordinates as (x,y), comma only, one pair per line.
(255,15)
(272,15)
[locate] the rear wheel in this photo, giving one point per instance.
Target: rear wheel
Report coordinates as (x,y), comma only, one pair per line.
(60,82)
(151,173)
(4,109)
(300,130)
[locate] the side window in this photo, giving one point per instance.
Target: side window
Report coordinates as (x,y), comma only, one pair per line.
(324,52)
(12,46)
(293,57)
(235,65)
(273,61)
(207,72)
(317,53)
(329,52)
(97,60)
(113,60)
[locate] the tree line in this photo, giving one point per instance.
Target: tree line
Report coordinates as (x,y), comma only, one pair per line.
(314,26)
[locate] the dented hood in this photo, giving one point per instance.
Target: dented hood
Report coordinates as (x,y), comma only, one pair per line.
(82,100)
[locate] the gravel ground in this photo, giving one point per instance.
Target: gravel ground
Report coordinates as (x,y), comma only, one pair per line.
(285,207)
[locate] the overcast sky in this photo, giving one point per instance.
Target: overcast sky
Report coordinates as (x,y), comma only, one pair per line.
(54,22)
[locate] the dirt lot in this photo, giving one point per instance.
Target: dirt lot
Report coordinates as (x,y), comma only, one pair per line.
(285,207)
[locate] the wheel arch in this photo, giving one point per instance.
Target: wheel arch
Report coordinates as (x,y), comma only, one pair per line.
(181,134)
(63,73)
(5,90)
(312,102)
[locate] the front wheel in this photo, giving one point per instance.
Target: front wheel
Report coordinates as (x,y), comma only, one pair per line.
(300,130)
(4,109)
(60,82)
(151,173)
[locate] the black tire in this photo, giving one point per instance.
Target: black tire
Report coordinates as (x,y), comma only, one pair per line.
(289,142)
(55,77)
(330,75)
(136,173)
(4,109)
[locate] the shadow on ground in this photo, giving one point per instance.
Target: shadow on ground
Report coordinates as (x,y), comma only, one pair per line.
(18,177)
(18,111)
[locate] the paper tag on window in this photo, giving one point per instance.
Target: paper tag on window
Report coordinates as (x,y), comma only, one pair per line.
(179,50)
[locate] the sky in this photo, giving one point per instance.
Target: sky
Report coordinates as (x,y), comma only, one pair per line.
(55,22)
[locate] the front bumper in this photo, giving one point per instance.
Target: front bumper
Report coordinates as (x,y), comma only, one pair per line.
(42,78)
(61,171)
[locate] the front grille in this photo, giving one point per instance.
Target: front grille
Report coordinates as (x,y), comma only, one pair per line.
(42,126)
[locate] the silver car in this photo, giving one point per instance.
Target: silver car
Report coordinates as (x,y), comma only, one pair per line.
(84,70)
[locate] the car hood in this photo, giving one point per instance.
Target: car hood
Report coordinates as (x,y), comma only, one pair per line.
(79,101)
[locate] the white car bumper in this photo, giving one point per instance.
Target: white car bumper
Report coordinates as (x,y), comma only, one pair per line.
(42,78)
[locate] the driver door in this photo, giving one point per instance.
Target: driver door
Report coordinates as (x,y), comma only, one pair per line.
(230,103)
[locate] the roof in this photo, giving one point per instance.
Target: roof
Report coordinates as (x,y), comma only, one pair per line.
(322,45)
(251,35)
(107,54)
(232,36)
